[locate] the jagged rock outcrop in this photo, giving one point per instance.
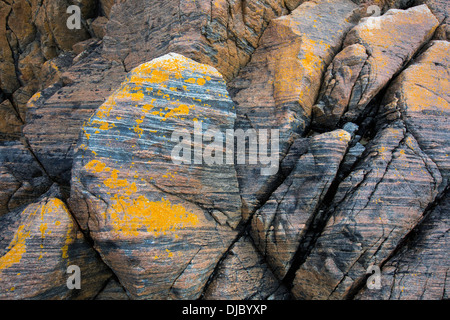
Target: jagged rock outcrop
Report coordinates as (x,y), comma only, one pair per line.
(160,224)
(115,151)
(374,51)
(244,275)
(420,97)
(280,224)
(22,178)
(375,207)
(420,270)
(280,84)
(43,236)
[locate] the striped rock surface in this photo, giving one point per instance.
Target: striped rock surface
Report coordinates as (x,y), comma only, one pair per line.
(280,84)
(375,207)
(161,226)
(420,270)
(374,51)
(37,245)
(420,96)
(280,224)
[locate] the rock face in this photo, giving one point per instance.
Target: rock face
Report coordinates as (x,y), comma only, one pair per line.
(420,96)
(155,221)
(372,213)
(279,86)
(243,275)
(370,58)
(420,270)
(44,236)
(224,149)
(279,225)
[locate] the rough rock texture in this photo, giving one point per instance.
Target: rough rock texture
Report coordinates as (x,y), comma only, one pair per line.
(279,225)
(101,167)
(375,207)
(43,236)
(244,275)
(420,96)
(128,193)
(22,179)
(279,86)
(220,33)
(55,115)
(374,51)
(420,270)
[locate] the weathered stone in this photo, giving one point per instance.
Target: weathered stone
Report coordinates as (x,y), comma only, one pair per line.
(375,207)
(55,115)
(244,275)
(152,219)
(220,33)
(420,270)
(280,224)
(277,89)
(22,179)
(420,96)
(374,51)
(112,291)
(10,122)
(37,245)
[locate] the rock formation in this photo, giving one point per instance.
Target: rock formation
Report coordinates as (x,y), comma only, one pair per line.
(224,149)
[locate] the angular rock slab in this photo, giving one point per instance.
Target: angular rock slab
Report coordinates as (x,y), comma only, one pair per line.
(22,179)
(375,207)
(244,275)
(420,96)
(37,245)
(374,51)
(420,270)
(279,86)
(280,224)
(55,114)
(219,33)
(161,226)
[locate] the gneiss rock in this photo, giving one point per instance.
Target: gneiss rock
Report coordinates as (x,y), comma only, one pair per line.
(279,225)
(220,33)
(281,82)
(375,207)
(420,269)
(420,96)
(244,275)
(374,51)
(22,179)
(161,224)
(37,245)
(55,115)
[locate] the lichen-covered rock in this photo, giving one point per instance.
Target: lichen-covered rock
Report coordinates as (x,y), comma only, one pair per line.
(420,96)
(220,33)
(160,224)
(55,115)
(277,89)
(244,275)
(420,270)
(374,51)
(37,245)
(280,224)
(375,207)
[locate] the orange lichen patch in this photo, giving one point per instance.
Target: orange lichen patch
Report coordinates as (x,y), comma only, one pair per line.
(156,217)
(126,92)
(103,125)
(16,248)
(182,109)
(68,241)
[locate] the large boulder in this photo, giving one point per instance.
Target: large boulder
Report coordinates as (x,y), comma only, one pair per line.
(37,245)
(160,219)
